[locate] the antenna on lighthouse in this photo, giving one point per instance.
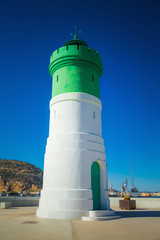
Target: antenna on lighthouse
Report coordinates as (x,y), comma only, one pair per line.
(76,33)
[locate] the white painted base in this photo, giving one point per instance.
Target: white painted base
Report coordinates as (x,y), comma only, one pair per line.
(61,214)
(74,143)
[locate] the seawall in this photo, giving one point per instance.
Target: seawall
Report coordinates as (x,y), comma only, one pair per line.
(114,201)
(140,202)
(21,201)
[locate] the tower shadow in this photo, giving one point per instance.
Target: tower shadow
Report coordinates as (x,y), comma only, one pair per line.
(132,214)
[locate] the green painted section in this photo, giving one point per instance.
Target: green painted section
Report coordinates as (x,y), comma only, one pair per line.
(77,68)
(95,185)
(75,79)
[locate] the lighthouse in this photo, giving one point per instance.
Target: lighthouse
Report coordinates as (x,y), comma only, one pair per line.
(75,170)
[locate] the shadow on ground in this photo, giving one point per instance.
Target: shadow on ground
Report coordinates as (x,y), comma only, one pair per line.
(132,214)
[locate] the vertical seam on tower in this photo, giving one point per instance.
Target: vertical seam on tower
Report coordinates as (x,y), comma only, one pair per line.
(73,237)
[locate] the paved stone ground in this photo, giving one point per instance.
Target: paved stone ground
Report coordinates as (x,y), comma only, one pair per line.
(21,223)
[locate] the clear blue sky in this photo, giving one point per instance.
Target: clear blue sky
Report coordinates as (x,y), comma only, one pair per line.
(127,35)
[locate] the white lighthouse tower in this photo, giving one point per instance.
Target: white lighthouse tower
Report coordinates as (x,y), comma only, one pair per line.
(75,171)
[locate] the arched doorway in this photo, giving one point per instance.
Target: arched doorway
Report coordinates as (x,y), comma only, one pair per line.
(95,185)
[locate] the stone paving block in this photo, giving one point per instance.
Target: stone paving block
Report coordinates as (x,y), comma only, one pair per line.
(5,205)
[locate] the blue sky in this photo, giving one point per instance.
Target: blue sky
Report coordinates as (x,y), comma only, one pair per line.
(127,35)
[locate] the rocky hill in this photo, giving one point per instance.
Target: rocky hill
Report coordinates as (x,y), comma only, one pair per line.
(18,176)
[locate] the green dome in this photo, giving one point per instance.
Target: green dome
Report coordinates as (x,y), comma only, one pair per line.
(75,42)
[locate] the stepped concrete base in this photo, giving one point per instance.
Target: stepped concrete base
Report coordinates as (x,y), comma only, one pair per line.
(100,218)
(61,214)
(100,215)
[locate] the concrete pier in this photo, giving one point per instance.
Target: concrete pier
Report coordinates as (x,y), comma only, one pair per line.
(21,223)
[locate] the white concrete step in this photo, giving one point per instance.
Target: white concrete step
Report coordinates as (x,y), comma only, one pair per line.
(101,213)
(100,218)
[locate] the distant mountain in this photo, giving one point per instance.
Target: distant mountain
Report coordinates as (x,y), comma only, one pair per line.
(18,176)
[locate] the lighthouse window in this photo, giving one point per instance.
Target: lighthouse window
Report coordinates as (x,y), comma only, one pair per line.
(57,78)
(92,78)
(94,114)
